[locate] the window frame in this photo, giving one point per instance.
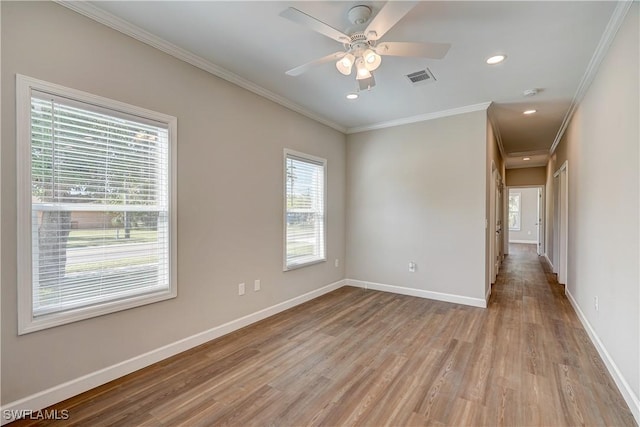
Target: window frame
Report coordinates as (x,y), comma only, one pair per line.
(315,160)
(26,321)
(519,211)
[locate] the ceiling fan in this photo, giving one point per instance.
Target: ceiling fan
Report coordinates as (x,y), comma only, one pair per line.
(362,46)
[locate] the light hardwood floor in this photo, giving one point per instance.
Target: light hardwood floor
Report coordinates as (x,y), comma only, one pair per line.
(373,358)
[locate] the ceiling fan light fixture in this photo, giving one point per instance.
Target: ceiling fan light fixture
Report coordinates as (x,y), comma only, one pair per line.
(362,71)
(371,59)
(366,84)
(345,64)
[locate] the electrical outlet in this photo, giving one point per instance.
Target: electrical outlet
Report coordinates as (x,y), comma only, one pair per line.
(596,303)
(412,267)
(337,263)
(256,285)
(241,289)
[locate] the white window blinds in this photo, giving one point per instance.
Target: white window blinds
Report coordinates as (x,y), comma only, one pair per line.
(305,210)
(100,207)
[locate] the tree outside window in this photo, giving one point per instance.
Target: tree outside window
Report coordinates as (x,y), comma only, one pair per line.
(514,211)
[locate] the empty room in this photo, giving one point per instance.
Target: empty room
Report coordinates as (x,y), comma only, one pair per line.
(293,213)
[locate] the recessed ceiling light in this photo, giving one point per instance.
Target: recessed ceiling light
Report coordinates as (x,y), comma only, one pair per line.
(496,59)
(527,112)
(526,158)
(352,96)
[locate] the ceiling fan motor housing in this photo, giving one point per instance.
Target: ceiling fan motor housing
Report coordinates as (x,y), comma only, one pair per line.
(358,43)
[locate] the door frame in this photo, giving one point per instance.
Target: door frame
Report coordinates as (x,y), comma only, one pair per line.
(542,249)
(541,244)
(496,202)
(561,223)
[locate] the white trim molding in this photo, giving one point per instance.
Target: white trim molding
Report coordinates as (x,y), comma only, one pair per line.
(496,130)
(421,293)
(615,22)
(420,118)
(79,385)
(625,389)
(526,242)
(125,27)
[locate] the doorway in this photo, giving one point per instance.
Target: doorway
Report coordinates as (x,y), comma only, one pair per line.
(525,214)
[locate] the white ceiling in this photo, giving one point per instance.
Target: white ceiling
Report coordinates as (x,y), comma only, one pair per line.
(548,45)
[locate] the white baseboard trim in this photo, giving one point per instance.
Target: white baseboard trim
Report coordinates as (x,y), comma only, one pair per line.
(458,299)
(546,257)
(528,242)
(487,296)
(79,385)
(628,394)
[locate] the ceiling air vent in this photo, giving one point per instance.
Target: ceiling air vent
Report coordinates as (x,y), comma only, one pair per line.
(421,77)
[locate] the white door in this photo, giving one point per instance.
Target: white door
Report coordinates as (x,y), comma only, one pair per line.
(492,227)
(555,258)
(561,223)
(540,221)
(495,224)
(564,226)
(498,218)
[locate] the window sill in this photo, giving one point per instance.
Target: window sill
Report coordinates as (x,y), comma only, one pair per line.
(61,318)
(306,264)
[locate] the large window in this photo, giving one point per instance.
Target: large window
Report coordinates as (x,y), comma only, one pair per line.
(304,209)
(514,211)
(95,205)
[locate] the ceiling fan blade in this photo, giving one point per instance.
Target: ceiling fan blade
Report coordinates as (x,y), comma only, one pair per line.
(302,68)
(389,15)
(423,50)
(312,23)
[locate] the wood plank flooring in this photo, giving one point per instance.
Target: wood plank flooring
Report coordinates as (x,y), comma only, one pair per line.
(356,357)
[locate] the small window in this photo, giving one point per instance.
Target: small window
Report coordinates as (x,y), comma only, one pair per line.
(514,211)
(96,210)
(305,224)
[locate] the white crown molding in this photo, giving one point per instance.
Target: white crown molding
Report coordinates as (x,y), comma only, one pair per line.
(529,153)
(615,22)
(125,27)
(496,131)
(93,12)
(420,118)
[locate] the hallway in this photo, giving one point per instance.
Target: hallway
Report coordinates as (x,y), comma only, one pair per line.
(549,358)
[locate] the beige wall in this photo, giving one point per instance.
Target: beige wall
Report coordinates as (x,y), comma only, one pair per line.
(417,193)
(526,176)
(230,209)
(601,146)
